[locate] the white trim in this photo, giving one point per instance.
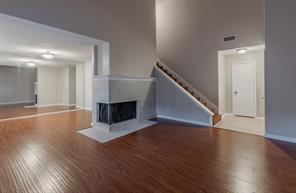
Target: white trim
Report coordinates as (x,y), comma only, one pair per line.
(38,115)
(221,63)
(70,104)
(17,102)
(232,115)
(281,138)
(48,105)
(205,109)
(87,108)
(184,120)
(227,114)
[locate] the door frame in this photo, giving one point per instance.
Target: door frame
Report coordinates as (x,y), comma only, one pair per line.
(253,62)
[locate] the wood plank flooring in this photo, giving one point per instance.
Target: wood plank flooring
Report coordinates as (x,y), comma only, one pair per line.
(46,154)
(19,110)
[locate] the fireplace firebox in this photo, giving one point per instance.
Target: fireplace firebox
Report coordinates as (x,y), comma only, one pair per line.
(116,112)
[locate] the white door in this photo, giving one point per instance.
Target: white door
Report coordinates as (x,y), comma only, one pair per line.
(244,88)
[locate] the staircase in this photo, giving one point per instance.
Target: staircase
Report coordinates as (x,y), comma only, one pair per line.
(191,90)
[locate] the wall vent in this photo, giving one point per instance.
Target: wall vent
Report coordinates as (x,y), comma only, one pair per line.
(230,38)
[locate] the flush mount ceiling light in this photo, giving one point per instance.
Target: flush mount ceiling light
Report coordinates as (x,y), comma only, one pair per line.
(31,64)
(48,55)
(242,50)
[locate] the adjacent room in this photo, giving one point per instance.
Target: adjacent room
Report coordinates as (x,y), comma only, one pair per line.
(241,90)
(42,71)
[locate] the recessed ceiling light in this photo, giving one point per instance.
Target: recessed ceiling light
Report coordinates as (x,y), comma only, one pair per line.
(242,50)
(31,64)
(48,55)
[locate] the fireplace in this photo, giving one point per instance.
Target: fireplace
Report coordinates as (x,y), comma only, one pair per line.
(116,112)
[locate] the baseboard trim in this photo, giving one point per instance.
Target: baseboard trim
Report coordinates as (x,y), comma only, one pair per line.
(184,120)
(70,105)
(227,114)
(232,115)
(281,138)
(38,115)
(48,105)
(17,102)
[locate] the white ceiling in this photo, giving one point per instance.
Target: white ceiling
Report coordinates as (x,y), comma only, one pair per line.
(22,41)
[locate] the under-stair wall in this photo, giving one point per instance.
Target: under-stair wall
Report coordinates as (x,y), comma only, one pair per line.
(177,100)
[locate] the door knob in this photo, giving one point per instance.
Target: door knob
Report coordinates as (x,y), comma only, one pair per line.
(235,92)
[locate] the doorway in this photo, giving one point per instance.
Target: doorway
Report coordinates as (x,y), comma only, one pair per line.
(244,89)
(241,90)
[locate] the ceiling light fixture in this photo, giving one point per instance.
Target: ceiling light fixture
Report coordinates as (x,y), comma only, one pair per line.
(242,50)
(31,64)
(48,55)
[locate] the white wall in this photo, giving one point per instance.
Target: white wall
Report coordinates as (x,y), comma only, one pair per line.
(49,85)
(226,69)
(55,86)
(84,75)
(88,84)
(80,85)
(72,85)
(64,84)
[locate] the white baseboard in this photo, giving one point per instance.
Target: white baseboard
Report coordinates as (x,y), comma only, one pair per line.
(48,105)
(281,138)
(184,120)
(232,115)
(70,105)
(17,102)
(39,115)
(86,108)
(227,114)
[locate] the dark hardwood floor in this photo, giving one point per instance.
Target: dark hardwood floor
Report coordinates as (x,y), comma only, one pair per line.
(20,110)
(46,154)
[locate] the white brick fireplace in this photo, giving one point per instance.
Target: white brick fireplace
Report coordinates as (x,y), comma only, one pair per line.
(121,105)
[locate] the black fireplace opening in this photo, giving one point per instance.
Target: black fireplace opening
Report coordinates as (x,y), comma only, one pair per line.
(116,112)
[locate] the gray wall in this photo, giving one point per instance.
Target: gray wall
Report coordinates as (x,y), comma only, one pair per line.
(190,33)
(172,103)
(129,26)
(16,84)
(280,67)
